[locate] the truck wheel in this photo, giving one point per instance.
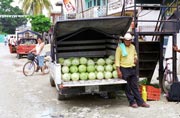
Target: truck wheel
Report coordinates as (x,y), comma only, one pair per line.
(52,82)
(61,97)
(18,56)
(111,95)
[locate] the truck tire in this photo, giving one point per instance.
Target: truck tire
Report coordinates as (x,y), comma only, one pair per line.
(111,95)
(61,97)
(19,56)
(52,82)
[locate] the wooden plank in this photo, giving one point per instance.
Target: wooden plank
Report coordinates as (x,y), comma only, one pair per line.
(111,46)
(81,42)
(82,54)
(95,47)
(112,41)
(110,52)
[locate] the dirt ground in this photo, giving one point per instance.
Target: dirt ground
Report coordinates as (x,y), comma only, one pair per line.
(33,97)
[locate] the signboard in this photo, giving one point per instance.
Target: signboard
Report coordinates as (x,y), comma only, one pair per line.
(69,6)
(116,6)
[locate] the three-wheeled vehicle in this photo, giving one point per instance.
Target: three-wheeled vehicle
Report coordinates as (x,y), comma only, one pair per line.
(90,39)
(24,45)
(26,41)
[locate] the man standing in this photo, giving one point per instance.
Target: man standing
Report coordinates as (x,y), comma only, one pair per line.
(126,59)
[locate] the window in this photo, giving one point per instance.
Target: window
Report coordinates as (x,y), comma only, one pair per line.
(92,3)
(95,2)
(103,2)
(89,3)
(98,2)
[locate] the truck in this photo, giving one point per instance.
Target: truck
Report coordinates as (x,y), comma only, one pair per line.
(90,38)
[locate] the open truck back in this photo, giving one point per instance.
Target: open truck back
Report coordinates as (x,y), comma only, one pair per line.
(90,38)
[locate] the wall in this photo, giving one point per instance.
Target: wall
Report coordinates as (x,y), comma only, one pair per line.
(147,26)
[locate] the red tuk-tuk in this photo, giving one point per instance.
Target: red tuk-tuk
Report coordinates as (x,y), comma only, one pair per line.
(26,43)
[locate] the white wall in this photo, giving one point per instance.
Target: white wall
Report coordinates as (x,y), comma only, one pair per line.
(168,52)
(147,26)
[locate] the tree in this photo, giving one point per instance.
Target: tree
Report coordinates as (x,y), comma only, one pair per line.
(9,24)
(40,23)
(35,7)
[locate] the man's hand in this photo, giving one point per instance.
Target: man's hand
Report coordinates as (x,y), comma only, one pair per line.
(119,72)
(135,60)
(175,48)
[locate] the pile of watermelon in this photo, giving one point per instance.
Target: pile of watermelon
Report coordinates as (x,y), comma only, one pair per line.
(82,68)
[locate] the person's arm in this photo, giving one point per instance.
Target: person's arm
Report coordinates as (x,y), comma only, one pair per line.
(117,62)
(176,48)
(33,50)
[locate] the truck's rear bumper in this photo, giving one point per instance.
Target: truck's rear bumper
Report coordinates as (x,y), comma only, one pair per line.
(82,90)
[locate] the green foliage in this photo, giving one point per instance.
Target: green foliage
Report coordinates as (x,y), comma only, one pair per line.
(40,23)
(9,25)
(35,7)
(146,82)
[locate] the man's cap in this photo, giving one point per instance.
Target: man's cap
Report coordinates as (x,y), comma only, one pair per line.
(127,36)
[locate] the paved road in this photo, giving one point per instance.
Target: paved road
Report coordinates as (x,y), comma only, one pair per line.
(33,97)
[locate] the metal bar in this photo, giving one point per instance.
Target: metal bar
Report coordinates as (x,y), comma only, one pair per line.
(156,33)
(150,6)
(156,21)
(174,58)
(161,58)
(157,29)
(123,8)
(136,37)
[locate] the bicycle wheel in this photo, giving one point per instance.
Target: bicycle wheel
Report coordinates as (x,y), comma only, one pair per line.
(46,67)
(29,68)
(166,81)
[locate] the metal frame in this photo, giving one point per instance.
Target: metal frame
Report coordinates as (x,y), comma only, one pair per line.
(161,34)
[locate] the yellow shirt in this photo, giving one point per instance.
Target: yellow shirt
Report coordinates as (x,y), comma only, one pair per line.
(125,61)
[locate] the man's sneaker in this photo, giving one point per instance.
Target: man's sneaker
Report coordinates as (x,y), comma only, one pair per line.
(145,105)
(134,105)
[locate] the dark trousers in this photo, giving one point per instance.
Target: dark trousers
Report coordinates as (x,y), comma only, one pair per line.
(131,88)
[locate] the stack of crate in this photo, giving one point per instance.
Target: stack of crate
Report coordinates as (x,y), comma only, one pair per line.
(152,92)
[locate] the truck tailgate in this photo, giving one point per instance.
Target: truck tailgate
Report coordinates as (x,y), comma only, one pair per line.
(93,82)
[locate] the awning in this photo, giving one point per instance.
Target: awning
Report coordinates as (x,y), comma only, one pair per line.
(28,31)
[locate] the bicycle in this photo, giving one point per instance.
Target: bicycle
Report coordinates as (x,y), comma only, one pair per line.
(167,79)
(31,65)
